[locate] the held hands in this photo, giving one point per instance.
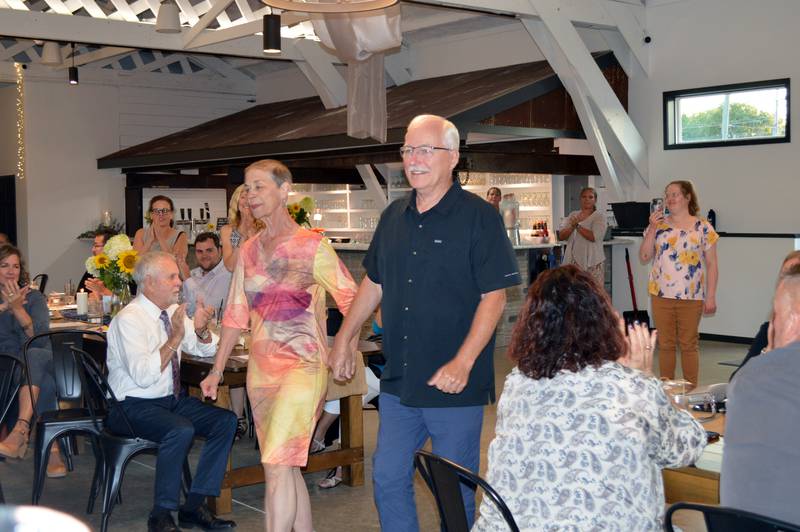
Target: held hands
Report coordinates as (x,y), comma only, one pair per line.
(341,360)
(641,344)
(14,296)
(452,377)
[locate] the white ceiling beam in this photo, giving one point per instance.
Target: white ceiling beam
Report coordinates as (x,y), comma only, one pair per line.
(107,52)
(47,26)
(207,18)
(125,10)
(93,9)
(397,66)
(17,4)
(438,19)
(245,10)
(317,66)
(632,30)
(581,12)
(189,11)
(222,67)
(15,49)
(560,63)
(373,185)
(110,77)
(581,65)
(58,7)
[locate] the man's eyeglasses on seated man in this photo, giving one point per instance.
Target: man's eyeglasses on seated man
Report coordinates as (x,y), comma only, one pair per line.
(425,151)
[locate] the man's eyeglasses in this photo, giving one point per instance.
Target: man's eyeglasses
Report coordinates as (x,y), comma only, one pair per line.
(425,151)
(161,212)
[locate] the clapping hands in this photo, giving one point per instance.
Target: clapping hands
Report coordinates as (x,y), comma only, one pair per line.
(14,296)
(641,345)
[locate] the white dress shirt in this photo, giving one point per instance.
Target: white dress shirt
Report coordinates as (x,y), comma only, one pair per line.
(134,338)
(212,285)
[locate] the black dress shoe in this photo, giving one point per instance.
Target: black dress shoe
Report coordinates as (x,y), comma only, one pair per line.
(203,518)
(162,523)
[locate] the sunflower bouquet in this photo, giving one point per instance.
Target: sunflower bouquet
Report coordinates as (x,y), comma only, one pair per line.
(114,266)
(301,211)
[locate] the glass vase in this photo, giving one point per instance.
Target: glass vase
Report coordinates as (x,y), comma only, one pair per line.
(120,298)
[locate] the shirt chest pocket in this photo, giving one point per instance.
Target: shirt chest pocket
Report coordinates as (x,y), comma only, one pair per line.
(445,260)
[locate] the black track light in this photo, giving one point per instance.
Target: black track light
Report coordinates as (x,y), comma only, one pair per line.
(272,34)
(73,70)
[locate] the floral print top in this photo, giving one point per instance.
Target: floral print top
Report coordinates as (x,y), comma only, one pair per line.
(677,271)
(583,451)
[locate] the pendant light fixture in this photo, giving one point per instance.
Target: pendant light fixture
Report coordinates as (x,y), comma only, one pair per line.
(51,54)
(168,19)
(73,70)
(272,33)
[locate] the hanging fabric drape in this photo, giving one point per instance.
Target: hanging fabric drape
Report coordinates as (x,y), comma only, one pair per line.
(360,39)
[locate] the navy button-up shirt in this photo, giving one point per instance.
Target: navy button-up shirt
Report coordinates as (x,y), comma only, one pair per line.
(433,268)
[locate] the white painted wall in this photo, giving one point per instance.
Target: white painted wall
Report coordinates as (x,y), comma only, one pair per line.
(8,129)
(698,43)
(67,130)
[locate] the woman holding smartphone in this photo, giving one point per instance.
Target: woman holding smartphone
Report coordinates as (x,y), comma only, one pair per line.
(683,278)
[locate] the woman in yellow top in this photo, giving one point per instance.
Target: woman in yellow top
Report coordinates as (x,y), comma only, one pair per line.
(683,279)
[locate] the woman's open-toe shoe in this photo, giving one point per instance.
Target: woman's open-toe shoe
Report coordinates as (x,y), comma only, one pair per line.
(332,479)
(16,444)
(317,446)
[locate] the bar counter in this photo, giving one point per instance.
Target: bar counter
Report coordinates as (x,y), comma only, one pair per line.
(352,254)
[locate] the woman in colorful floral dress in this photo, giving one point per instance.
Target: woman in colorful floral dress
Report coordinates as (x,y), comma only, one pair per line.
(683,279)
(278,289)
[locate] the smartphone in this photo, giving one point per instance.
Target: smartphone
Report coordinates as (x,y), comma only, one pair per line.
(656,204)
(712,436)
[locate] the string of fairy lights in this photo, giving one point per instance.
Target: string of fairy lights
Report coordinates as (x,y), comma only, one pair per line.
(20,121)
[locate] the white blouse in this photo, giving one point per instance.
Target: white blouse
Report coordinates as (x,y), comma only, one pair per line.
(584,451)
(579,250)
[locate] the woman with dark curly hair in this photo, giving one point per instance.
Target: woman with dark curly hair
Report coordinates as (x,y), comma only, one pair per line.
(583,427)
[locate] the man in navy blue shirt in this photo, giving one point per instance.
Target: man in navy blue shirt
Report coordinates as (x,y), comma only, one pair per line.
(438,265)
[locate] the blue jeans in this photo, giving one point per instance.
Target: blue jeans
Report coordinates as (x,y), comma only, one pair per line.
(173,423)
(455,434)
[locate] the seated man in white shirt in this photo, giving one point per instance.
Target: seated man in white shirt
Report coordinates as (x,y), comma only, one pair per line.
(145,342)
(211,279)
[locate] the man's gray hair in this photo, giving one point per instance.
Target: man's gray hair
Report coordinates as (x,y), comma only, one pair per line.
(450,137)
(147,265)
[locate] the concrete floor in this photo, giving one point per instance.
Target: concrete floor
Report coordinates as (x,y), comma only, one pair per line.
(339,509)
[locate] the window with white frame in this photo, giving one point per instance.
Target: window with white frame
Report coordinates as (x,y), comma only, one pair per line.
(729,115)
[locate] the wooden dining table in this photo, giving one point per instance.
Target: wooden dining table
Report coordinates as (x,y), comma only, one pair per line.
(350,454)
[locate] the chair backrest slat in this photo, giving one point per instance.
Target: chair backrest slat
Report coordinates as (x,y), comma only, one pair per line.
(723,519)
(10,382)
(444,478)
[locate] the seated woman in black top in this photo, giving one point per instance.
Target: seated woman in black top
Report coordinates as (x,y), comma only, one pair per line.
(761,340)
(23,313)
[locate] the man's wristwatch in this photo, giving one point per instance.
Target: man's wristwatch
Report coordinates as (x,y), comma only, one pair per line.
(218,373)
(203,333)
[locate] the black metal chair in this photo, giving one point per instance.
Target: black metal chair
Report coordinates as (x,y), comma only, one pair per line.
(10,382)
(723,519)
(57,424)
(40,282)
(444,478)
(116,450)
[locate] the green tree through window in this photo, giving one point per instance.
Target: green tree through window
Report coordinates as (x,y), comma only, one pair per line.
(744,121)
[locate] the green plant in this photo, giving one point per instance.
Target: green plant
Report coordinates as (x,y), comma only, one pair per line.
(116,227)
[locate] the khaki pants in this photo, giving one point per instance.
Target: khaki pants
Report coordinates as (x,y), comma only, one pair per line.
(678,322)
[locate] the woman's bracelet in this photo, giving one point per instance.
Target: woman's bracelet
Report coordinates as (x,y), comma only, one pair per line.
(173,349)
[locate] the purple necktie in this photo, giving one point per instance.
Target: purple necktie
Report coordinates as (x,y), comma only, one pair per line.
(174,360)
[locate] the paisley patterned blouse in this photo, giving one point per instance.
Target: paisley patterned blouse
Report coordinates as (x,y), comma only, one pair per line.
(584,451)
(677,271)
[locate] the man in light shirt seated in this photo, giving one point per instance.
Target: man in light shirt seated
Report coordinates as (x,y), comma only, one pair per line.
(211,279)
(761,461)
(145,342)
